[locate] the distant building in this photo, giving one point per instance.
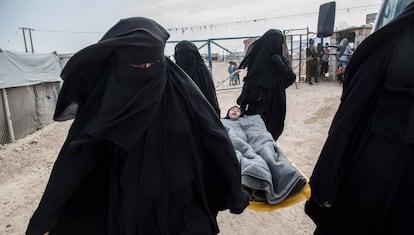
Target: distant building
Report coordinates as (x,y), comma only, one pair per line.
(355,36)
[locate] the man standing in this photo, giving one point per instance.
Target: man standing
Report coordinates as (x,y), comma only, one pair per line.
(343,60)
(324,60)
(311,62)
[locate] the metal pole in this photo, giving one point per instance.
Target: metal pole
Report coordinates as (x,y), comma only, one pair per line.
(31,41)
(24,39)
(300,56)
(8,116)
(210,65)
(291,49)
(222,47)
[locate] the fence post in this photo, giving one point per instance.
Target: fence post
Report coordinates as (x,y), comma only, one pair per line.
(8,116)
(210,65)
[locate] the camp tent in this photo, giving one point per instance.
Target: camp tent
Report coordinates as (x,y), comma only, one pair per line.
(29,86)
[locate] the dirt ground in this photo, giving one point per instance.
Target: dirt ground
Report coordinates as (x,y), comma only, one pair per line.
(26,164)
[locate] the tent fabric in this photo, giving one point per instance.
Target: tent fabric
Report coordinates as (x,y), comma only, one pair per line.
(25,69)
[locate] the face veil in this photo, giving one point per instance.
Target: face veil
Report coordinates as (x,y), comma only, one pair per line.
(104,90)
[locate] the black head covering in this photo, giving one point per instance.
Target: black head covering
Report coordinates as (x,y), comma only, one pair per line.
(144,144)
(259,62)
(189,59)
(111,94)
(268,75)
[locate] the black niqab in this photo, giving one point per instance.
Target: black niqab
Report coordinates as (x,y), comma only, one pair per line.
(188,57)
(145,153)
(89,72)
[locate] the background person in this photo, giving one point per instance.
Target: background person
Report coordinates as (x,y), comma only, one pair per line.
(343,60)
(268,75)
(324,60)
(235,77)
(311,62)
(363,180)
(188,57)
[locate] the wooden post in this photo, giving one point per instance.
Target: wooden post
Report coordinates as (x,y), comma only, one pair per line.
(8,116)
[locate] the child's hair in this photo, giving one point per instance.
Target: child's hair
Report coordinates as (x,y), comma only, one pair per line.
(228,111)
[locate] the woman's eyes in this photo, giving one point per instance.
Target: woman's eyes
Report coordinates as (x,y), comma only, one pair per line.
(142,66)
(145,65)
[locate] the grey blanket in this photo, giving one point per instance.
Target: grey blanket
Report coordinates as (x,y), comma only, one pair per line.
(267,174)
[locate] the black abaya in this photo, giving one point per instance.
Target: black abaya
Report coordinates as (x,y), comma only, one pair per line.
(363,181)
(268,75)
(146,153)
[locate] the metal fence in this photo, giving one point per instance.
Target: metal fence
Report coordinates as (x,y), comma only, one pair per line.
(233,48)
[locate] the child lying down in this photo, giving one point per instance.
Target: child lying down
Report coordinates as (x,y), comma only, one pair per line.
(267,175)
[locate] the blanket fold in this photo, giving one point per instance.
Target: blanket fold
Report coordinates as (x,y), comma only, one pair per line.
(267,175)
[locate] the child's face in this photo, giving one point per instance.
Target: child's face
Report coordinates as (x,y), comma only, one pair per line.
(234,113)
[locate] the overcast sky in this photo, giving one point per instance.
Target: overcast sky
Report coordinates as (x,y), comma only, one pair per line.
(67,26)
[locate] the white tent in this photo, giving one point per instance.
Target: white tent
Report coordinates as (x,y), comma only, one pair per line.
(29,85)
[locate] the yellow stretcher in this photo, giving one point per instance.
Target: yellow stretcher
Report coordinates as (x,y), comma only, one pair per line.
(302,195)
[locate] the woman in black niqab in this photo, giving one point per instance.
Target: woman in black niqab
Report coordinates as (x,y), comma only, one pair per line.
(268,75)
(188,57)
(363,180)
(146,153)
